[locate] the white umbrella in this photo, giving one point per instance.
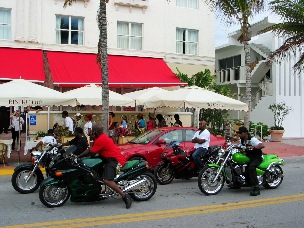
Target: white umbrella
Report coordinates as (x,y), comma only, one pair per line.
(194,97)
(20,92)
(91,95)
(140,96)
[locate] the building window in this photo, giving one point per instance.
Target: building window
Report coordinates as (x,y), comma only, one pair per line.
(192,4)
(129,35)
(231,62)
(5,24)
(186,41)
(69,30)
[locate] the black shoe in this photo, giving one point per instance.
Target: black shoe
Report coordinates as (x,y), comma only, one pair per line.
(127,199)
(255,191)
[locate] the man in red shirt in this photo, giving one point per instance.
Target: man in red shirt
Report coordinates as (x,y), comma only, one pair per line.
(105,147)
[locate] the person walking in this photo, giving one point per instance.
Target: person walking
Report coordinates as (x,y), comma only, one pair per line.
(201,139)
(16,126)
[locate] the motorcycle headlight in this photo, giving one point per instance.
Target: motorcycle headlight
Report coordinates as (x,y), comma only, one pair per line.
(221,152)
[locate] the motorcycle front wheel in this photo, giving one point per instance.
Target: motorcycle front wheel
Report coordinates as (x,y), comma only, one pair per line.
(23,183)
(145,190)
(273,177)
(164,173)
(53,195)
(207,182)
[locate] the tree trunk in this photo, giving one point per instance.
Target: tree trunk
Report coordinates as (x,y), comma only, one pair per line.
(248,83)
(103,46)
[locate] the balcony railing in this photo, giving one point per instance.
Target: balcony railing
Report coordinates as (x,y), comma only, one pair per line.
(232,75)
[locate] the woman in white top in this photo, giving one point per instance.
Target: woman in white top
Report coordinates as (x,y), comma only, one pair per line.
(87,128)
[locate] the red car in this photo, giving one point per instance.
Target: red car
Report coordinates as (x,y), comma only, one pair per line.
(150,145)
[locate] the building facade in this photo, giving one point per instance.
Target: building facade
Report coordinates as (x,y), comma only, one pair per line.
(179,32)
(271,84)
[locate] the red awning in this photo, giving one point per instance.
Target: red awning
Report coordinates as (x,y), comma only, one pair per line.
(72,69)
(18,63)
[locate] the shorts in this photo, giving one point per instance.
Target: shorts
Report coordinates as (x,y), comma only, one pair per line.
(109,169)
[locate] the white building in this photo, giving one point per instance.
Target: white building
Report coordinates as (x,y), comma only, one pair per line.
(270,84)
(178,32)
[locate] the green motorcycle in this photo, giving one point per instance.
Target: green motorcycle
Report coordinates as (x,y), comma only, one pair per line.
(76,179)
(231,167)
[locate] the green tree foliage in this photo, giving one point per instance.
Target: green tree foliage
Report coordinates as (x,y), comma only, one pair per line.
(240,11)
(291,27)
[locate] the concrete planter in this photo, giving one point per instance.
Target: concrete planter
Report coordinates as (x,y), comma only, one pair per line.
(276,135)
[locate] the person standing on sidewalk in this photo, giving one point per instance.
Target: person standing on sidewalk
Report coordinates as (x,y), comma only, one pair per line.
(16,125)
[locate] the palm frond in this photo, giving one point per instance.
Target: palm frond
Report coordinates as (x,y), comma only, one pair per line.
(292,28)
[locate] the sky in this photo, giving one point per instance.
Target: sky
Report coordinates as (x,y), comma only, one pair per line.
(222,29)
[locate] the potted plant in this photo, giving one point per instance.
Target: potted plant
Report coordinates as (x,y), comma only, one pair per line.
(40,134)
(280,111)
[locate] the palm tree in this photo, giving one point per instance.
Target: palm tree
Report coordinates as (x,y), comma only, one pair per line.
(102,58)
(292,28)
(240,11)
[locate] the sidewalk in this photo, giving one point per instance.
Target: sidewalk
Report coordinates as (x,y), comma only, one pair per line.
(287,148)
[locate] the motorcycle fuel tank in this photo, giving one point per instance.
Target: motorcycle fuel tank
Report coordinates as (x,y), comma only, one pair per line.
(240,158)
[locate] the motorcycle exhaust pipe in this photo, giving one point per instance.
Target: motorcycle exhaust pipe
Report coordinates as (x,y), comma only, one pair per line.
(132,186)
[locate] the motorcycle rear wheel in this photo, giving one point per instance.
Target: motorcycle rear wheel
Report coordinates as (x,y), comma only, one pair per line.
(206,182)
(19,180)
(53,195)
(164,173)
(273,178)
(146,190)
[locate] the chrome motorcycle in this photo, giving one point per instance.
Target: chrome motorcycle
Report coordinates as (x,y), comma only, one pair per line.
(28,176)
(231,167)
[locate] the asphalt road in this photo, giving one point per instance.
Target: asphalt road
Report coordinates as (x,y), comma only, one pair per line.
(179,204)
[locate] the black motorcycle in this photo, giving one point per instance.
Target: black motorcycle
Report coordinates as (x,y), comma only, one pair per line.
(179,164)
(76,179)
(28,176)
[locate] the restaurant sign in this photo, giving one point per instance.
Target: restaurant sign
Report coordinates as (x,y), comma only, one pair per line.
(24,102)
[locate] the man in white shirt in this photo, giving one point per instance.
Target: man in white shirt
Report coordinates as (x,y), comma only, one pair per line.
(68,122)
(49,138)
(16,125)
(201,139)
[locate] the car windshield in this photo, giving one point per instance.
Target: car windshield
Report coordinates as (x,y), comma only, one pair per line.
(146,137)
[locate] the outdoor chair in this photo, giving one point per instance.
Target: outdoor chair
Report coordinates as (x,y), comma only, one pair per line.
(3,148)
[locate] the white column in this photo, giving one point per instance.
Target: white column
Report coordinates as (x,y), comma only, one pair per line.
(33,21)
(20,21)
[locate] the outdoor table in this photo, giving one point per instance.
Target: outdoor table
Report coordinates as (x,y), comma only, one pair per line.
(8,143)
